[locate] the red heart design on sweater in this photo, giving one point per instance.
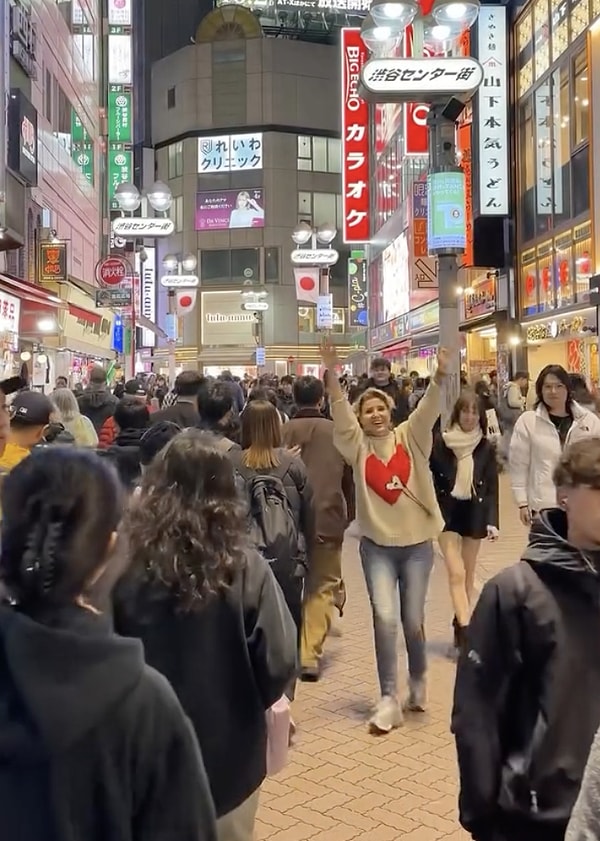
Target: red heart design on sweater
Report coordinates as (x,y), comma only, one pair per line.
(388,480)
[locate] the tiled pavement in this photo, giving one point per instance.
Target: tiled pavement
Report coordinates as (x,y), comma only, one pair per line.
(344,784)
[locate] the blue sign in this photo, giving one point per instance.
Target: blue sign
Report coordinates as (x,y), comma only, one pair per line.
(118,336)
(446,217)
(261,356)
(171,326)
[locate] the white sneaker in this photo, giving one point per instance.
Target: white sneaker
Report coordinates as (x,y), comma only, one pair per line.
(417,695)
(387,715)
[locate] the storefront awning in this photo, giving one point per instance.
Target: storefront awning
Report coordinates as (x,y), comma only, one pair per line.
(32,296)
(81,314)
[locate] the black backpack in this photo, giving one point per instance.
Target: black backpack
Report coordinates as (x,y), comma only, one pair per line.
(272,523)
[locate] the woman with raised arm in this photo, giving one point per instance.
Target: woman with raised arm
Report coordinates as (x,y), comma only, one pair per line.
(398,517)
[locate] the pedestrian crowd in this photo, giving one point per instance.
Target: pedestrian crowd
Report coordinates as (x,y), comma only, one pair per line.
(171,565)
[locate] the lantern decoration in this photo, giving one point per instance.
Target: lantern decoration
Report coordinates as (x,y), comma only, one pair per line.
(584,263)
(546,278)
(563,272)
(530,285)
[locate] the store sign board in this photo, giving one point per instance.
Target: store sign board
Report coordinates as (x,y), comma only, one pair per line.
(135,227)
(119,117)
(355,140)
(224,323)
(53,262)
(120,64)
(446,224)
(314,257)
(325,312)
(119,12)
(112,271)
(392,330)
(353,7)
(420,79)
(120,171)
(425,317)
(146,270)
(180,281)
(22,137)
(230,153)
(357,291)
(115,297)
(549,190)
(481,299)
(10,316)
(492,112)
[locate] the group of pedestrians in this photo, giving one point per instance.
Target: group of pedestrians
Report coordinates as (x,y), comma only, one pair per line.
(153,615)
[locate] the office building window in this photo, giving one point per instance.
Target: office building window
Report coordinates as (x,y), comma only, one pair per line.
(171,98)
(320,208)
(176,213)
(271,264)
(581,102)
(221,267)
(319,154)
(176,160)
(48,95)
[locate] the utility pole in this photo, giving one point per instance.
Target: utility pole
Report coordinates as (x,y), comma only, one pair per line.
(441,128)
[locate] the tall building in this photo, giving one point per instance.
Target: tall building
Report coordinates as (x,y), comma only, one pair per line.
(52,177)
(246,130)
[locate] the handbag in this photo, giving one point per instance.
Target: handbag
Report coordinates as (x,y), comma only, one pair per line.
(278,735)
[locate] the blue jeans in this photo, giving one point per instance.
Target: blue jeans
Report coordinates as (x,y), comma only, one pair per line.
(388,569)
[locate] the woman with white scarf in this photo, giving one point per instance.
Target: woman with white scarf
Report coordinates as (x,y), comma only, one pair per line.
(465,476)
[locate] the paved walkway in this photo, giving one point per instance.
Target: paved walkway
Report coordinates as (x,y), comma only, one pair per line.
(343,783)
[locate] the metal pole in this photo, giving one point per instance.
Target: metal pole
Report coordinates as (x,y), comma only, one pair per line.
(442,158)
(172,360)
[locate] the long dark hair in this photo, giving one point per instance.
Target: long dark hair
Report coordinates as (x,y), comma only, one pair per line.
(559,372)
(469,397)
(60,508)
(187,528)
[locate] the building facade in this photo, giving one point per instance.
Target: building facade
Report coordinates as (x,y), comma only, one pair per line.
(247,135)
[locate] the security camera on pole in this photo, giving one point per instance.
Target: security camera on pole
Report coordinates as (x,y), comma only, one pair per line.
(316,257)
(139,228)
(446,83)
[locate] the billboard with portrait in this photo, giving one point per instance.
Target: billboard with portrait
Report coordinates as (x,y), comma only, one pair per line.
(221,210)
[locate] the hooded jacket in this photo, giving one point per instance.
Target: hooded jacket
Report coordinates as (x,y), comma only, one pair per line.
(527,697)
(228,661)
(125,455)
(97,404)
(93,744)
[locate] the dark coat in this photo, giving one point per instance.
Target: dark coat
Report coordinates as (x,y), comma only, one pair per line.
(184,413)
(485,502)
(94,744)
(125,455)
(527,697)
(97,404)
(228,662)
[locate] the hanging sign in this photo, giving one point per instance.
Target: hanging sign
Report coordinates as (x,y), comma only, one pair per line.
(53,262)
(420,79)
(355,141)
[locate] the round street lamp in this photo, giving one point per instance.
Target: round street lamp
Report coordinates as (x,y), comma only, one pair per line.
(326,233)
(128,197)
(170,262)
(302,233)
(380,40)
(451,13)
(189,262)
(399,14)
(160,197)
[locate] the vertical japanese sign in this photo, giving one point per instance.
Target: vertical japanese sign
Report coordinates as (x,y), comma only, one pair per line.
(547,153)
(119,105)
(355,140)
(464,146)
(492,112)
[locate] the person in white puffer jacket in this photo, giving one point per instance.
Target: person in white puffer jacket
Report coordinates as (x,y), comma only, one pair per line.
(540,436)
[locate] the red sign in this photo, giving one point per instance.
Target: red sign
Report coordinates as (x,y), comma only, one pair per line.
(112,271)
(355,140)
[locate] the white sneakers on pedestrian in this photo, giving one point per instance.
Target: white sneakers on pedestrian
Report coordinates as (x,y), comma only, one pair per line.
(417,695)
(387,715)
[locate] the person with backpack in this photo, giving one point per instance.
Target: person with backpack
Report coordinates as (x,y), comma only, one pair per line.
(280,500)
(527,695)
(211,616)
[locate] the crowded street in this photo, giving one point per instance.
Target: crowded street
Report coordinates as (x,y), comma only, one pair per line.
(341,783)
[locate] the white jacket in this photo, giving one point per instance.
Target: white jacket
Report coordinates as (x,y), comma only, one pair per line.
(535,450)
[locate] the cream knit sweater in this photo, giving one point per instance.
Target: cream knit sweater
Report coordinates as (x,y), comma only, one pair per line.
(395,498)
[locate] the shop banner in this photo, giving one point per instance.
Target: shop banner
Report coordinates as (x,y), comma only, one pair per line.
(120,128)
(53,262)
(355,140)
(10,316)
(357,290)
(480,300)
(120,171)
(222,210)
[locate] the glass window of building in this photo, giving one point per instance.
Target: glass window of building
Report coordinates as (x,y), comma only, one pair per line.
(527,174)
(176,213)
(583,261)
(305,206)
(560,28)
(525,52)
(563,269)
(541,32)
(319,154)
(176,160)
(64,120)
(581,102)
(245,264)
(271,264)
(580,17)
(595,4)
(171,98)
(214,266)
(580,166)
(48,95)
(324,208)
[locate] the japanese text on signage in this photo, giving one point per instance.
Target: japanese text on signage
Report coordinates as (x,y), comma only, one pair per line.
(493,112)
(53,261)
(230,153)
(355,140)
(422,76)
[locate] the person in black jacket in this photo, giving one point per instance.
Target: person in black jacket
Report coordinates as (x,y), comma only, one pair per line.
(94,744)
(381,378)
(184,410)
(527,696)
(465,477)
(96,402)
(132,419)
(211,616)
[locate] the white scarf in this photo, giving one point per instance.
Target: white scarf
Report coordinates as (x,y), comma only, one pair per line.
(463,445)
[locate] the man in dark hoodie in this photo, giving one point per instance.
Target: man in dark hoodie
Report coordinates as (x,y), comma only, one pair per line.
(96,402)
(132,419)
(381,378)
(215,406)
(527,698)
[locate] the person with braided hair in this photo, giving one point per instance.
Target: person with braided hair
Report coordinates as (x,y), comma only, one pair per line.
(93,743)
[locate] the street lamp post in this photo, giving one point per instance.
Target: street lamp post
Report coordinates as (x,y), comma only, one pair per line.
(181,275)
(129,199)
(438,23)
(323,258)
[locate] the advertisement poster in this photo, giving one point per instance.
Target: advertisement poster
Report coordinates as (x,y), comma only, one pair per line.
(396,278)
(230,153)
(221,210)
(446,224)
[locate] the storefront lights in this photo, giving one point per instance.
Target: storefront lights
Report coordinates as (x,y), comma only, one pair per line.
(46,325)
(400,14)
(457,15)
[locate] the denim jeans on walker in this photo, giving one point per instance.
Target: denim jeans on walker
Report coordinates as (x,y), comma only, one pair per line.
(397,580)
